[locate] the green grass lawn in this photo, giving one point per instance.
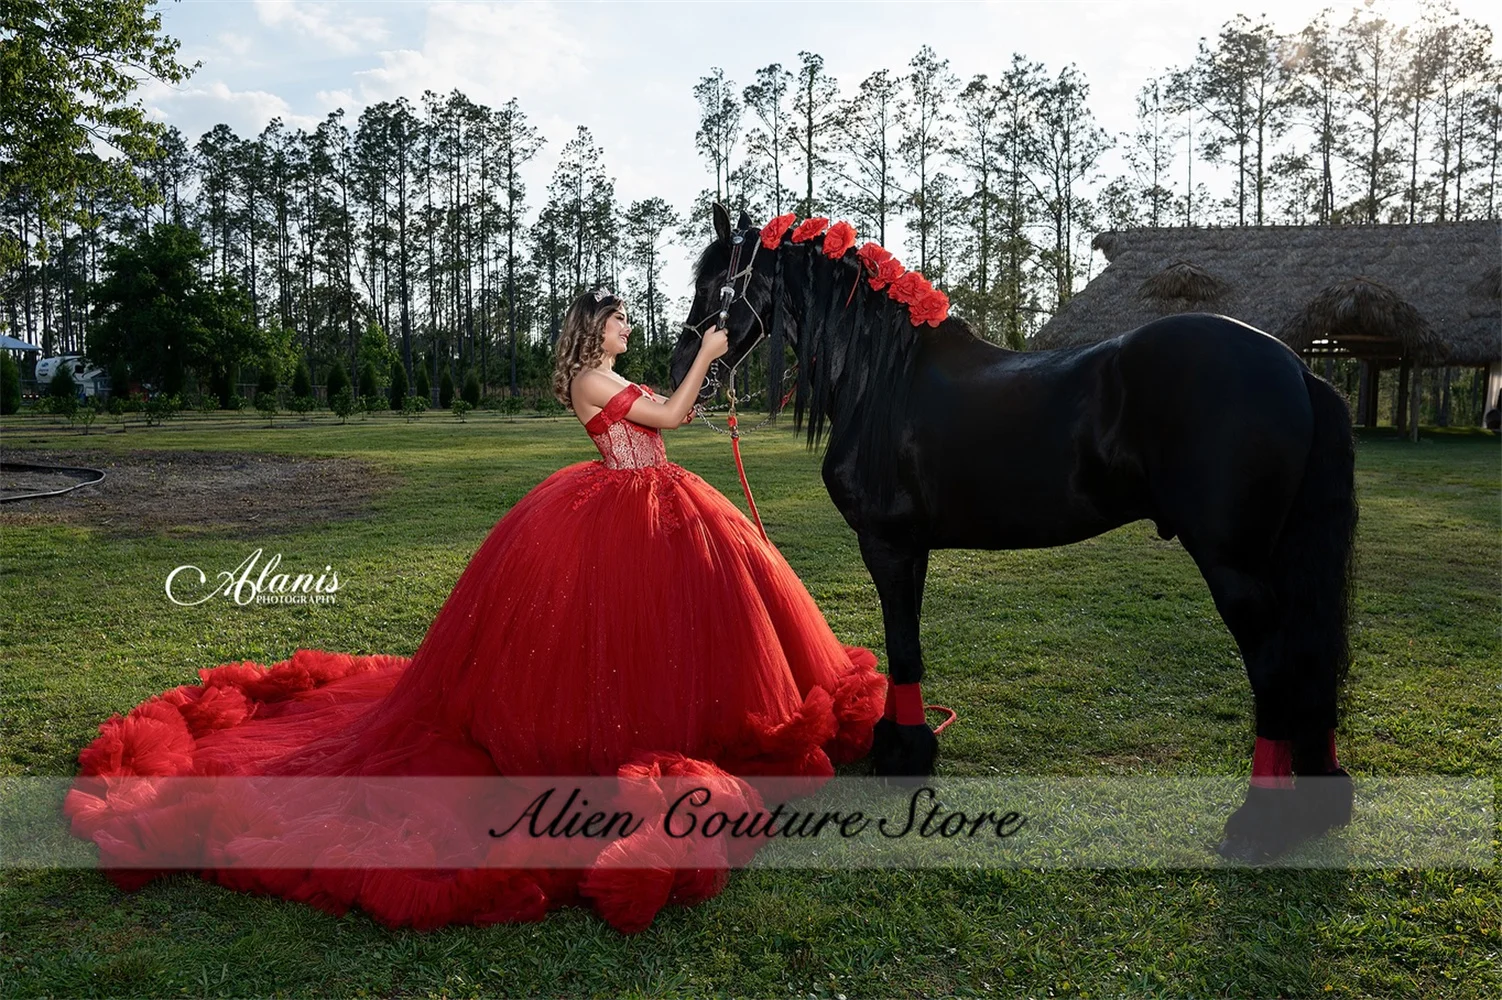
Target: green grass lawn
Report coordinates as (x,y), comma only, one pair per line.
(1104,657)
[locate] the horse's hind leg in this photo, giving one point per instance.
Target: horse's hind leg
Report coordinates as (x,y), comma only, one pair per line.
(1261,827)
(903,743)
(1280,810)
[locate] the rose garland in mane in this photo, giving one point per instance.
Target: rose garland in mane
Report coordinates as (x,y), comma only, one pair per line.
(925,303)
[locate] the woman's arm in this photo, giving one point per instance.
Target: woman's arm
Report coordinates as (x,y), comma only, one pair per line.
(597,390)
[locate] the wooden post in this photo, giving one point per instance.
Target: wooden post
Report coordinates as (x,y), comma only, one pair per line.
(1400,398)
(1364,385)
(1413,407)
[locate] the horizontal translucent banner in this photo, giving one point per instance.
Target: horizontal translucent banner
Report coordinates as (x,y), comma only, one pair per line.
(680,822)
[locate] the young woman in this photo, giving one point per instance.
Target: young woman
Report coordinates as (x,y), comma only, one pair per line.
(622,618)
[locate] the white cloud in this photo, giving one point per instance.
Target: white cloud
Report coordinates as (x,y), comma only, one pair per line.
(328,24)
(490,52)
(245,111)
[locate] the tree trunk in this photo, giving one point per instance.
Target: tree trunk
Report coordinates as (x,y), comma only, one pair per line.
(1444,397)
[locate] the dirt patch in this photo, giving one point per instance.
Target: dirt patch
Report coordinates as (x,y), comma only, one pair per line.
(192,492)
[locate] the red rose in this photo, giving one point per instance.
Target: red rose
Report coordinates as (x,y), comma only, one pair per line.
(773,232)
(932,309)
(872,254)
(810,228)
(888,270)
(910,288)
(841,237)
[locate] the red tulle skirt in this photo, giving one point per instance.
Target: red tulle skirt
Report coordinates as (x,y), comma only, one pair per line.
(613,622)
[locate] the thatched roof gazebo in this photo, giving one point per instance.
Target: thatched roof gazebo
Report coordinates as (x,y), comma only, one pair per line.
(1425,295)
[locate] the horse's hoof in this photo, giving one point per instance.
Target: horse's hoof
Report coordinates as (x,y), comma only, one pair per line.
(1242,851)
(903,751)
(1325,801)
(1272,821)
(1262,827)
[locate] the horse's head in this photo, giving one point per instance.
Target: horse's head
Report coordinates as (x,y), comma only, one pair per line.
(750,312)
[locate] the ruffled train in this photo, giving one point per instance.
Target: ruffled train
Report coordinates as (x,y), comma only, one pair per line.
(615,622)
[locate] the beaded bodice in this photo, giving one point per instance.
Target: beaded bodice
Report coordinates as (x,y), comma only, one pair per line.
(622,444)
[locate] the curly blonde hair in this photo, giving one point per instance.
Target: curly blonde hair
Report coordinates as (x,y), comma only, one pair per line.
(581,343)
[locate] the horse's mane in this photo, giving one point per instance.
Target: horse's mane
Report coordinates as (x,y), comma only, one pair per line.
(855,347)
(859,342)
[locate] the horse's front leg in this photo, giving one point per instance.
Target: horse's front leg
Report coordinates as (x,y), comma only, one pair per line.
(903,743)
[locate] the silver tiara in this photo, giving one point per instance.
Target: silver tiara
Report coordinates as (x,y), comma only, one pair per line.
(601,294)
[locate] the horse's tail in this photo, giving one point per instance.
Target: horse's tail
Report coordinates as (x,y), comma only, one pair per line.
(1312,565)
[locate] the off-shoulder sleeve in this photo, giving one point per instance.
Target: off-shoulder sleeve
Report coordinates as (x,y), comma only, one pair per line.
(620,404)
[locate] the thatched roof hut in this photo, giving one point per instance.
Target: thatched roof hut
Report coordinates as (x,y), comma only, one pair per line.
(1427,294)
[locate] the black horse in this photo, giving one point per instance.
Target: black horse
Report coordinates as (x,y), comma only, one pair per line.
(1216,432)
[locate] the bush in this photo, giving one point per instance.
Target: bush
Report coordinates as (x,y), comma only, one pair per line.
(267,382)
(266,405)
(398,384)
(302,380)
(61,406)
(85,413)
(62,384)
(424,387)
(471,392)
(235,402)
(160,408)
(10,384)
(336,379)
(445,390)
(119,379)
(413,407)
(303,406)
(368,384)
(372,404)
(461,407)
(510,405)
(343,403)
(547,406)
(117,406)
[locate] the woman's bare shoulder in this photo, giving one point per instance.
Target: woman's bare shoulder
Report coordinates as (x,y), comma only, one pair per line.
(591,391)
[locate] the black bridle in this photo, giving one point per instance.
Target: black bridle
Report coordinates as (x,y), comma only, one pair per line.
(729,295)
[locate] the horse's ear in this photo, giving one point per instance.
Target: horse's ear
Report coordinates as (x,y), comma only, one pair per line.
(721,223)
(744,223)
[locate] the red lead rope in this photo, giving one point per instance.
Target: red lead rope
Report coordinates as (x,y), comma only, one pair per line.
(735,446)
(909,692)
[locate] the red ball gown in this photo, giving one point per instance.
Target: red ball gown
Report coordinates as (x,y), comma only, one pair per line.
(622,618)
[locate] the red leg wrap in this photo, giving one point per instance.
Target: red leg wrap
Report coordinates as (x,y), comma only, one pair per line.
(909,698)
(1272,764)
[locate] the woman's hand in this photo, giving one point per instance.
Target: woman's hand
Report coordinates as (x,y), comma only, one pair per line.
(714,345)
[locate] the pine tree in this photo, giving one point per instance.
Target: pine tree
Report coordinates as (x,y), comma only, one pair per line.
(336,379)
(369,385)
(767,100)
(302,382)
(926,137)
(815,116)
(398,391)
(10,385)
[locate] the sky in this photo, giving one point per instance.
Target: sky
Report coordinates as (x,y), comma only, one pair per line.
(627,70)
